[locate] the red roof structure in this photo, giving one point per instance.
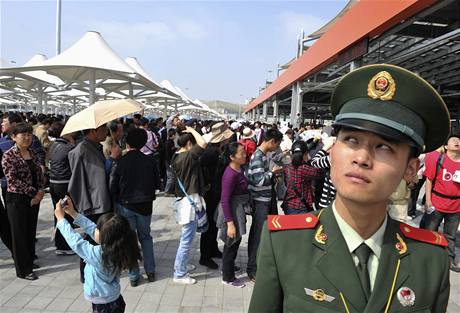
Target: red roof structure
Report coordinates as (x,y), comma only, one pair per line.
(365,19)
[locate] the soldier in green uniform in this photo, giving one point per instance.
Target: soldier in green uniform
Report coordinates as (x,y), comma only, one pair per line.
(352,257)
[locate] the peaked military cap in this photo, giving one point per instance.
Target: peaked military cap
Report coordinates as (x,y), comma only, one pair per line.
(392,102)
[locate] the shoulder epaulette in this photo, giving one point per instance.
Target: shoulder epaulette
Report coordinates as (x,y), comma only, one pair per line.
(423,235)
(295,221)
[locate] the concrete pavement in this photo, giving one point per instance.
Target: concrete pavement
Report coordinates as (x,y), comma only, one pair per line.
(58,288)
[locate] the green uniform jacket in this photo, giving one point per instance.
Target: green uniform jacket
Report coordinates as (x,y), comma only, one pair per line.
(291,260)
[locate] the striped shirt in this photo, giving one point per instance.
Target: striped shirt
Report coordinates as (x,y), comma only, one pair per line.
(322,160)
(260,177)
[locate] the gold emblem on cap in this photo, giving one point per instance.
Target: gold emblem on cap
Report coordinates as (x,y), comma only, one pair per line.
(309,219)
(382,86)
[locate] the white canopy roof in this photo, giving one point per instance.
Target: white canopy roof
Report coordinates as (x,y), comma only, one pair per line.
(139,69)
(91,51)
(39,59)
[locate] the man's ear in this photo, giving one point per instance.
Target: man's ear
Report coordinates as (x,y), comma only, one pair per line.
(411,169)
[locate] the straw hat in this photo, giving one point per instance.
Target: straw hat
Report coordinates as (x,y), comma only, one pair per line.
(220,132)
(247,133)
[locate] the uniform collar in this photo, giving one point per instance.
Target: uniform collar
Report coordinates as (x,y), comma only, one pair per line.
(353,239)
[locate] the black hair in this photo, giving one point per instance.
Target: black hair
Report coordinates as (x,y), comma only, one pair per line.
(21,128)
(46,120)
(32,121)
(120,250)
(299,148)
(230,150)
(274,134)
(453,133)
(136,138)
(14,118)
(143,121)
(184,138)
(113,126)
(55,129)
(137,116)
(171,132)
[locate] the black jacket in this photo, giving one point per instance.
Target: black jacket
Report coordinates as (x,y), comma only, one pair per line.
(134,179)
(59,162)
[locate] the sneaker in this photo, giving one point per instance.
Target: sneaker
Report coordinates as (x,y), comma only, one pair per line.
(190,267)
(31,276)
(65,252)
(209,263)
(151,277)
(252,278)
(234,283)
(186,280)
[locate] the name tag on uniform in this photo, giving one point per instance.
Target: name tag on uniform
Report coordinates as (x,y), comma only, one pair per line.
(319,295)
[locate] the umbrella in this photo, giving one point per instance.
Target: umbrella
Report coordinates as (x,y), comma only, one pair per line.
(100,113)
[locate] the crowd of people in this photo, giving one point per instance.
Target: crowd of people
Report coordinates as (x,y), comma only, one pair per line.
(217,174)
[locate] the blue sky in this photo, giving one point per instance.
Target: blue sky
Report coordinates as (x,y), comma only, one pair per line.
(210,49)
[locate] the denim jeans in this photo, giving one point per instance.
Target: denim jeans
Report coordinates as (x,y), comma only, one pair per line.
(183,251)
(259,216)
(141,225)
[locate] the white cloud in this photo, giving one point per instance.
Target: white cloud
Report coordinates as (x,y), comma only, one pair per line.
(292,23)
(137,35)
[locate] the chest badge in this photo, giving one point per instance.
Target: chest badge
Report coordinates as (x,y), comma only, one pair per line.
(406,296)
(319,295)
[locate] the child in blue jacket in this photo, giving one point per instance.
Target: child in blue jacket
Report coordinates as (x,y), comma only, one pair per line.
(117,251)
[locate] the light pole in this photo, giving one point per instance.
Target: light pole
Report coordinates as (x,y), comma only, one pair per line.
(239,107)
(58,27)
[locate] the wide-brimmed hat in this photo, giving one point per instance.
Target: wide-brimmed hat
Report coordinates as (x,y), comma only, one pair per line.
(220,132)
(247,133)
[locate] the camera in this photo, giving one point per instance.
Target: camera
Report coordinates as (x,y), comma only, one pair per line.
(64,202)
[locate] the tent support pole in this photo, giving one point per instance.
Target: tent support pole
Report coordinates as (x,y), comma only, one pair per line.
(92,87)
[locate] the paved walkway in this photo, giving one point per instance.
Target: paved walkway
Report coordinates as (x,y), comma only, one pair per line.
(58,288)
